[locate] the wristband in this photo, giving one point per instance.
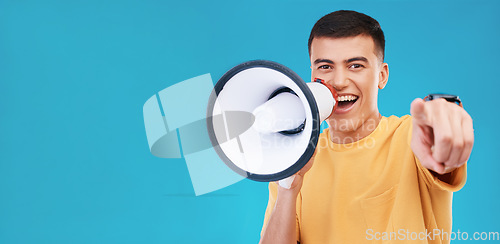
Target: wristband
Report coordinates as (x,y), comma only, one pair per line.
(447,97)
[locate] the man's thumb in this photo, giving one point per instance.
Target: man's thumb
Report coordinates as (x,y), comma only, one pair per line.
(417,111)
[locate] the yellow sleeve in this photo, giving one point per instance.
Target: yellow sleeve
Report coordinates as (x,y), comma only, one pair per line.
(454,183)
(273,192)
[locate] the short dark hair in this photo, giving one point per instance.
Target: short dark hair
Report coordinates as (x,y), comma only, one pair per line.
(347,23)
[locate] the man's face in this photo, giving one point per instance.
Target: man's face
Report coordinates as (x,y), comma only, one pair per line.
(352,67)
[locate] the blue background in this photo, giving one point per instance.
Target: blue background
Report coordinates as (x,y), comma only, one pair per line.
(75,166)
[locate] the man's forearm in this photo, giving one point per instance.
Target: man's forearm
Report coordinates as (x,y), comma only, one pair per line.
(281,228)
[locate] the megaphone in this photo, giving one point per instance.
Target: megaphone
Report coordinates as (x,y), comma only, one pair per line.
(285,126)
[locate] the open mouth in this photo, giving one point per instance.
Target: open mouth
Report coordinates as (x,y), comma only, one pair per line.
(345,102)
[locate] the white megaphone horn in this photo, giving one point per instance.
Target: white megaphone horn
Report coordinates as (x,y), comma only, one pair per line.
(285,126)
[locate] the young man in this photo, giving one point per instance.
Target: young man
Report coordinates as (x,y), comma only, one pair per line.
(372,178)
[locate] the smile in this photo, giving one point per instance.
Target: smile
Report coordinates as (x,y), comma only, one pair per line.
(345,103)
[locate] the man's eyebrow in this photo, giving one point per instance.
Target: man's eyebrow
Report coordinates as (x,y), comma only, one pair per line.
(361,58)
(322,60)
(317,61)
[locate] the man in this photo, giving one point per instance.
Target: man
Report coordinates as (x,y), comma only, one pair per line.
(372,178)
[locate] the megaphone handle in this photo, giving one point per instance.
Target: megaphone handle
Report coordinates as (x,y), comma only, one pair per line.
(287,182)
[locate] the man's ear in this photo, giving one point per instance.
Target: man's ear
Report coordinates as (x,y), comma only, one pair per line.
(383,76)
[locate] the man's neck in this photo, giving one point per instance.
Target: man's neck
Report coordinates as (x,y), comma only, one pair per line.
(361,129)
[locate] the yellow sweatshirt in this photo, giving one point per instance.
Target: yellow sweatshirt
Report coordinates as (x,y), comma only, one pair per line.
(373,190)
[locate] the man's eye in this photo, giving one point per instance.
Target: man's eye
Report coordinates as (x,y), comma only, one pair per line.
(324,67)
(356,66)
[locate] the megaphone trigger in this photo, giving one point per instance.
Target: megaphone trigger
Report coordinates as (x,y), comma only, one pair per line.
(287,182)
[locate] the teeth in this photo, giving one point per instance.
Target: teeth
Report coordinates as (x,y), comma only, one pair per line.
(347,98)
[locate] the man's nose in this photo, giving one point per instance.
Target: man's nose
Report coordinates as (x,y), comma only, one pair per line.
(339,81)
